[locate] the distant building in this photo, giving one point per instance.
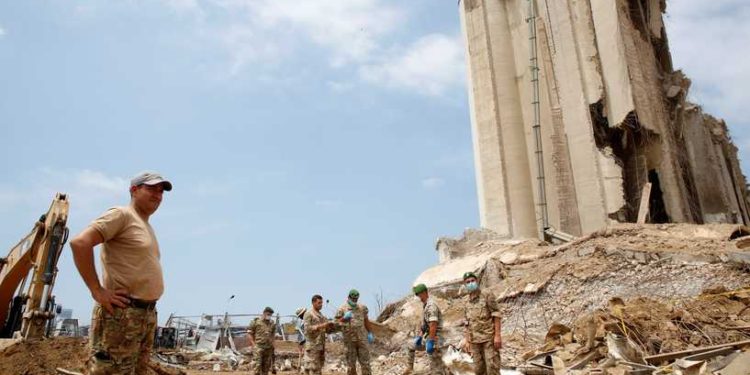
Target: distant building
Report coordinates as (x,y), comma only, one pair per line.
(65,314)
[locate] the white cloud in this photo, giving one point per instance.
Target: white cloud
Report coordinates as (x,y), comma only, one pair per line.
(433,183)
(708,40)
(244,45)
(87,179)
(350,28)
(265,34)
(90,192)
(431,65)
(2,32)
(267,30)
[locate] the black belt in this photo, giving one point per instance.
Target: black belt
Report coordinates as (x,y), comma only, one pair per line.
(141,304)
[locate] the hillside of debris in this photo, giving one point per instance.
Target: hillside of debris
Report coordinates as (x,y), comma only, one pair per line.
(667,284)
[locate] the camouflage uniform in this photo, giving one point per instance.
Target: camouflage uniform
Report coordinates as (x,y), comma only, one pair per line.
(315,346)
(263,331)
(121,343)
(431,313)
(355,338)
(411,348)
(480,311)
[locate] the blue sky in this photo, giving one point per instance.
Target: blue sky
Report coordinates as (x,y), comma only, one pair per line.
(314,146)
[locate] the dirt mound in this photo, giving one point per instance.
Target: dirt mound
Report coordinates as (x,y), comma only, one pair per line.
(42,357)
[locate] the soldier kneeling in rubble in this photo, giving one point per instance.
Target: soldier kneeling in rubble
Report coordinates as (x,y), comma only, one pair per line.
(482,336)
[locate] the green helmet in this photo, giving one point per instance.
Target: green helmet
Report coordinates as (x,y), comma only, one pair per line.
(354,293)
(419,288)
(468,275)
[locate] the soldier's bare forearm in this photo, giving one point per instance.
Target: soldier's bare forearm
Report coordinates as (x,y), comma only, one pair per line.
(83,257)
(498,328)
(433,330)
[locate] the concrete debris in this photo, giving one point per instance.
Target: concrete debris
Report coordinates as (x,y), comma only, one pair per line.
(228,357)
(458,362)
(684,333)
(619,294)
(739,365)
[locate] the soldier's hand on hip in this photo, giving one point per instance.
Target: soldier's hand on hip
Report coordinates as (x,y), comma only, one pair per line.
(109,299)
(467,347)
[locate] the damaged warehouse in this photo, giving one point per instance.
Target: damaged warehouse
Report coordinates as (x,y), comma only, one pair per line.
(578,116)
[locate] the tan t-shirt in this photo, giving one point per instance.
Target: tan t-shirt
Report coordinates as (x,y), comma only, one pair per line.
(130,254)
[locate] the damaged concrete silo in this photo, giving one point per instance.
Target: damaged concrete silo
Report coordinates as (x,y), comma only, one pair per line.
(596,78)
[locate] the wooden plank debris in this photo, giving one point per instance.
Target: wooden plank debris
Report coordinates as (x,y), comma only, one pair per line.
(644,206)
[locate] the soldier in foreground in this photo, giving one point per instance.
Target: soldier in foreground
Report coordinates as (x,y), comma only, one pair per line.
(412,346)
(355,325)
(316,327)
(261,333)
(432,319)
(123,323)
(482,336)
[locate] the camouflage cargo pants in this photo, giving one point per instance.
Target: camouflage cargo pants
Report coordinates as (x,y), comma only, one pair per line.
(357,350)
(263,360)
(436,358)
(486,358)
(436,362)
(121,343)
(314,360)
(411,353)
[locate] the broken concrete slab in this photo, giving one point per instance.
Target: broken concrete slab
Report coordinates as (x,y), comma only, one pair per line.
(739,366)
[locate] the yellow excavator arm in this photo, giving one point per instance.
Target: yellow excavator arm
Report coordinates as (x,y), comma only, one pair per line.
(26,309)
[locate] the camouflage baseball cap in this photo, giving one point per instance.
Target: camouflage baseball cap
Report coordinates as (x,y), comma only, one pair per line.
(151,178)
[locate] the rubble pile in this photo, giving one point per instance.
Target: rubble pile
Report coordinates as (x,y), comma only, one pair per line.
(287,358)
(670,298)
(644,334)
(541,286)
